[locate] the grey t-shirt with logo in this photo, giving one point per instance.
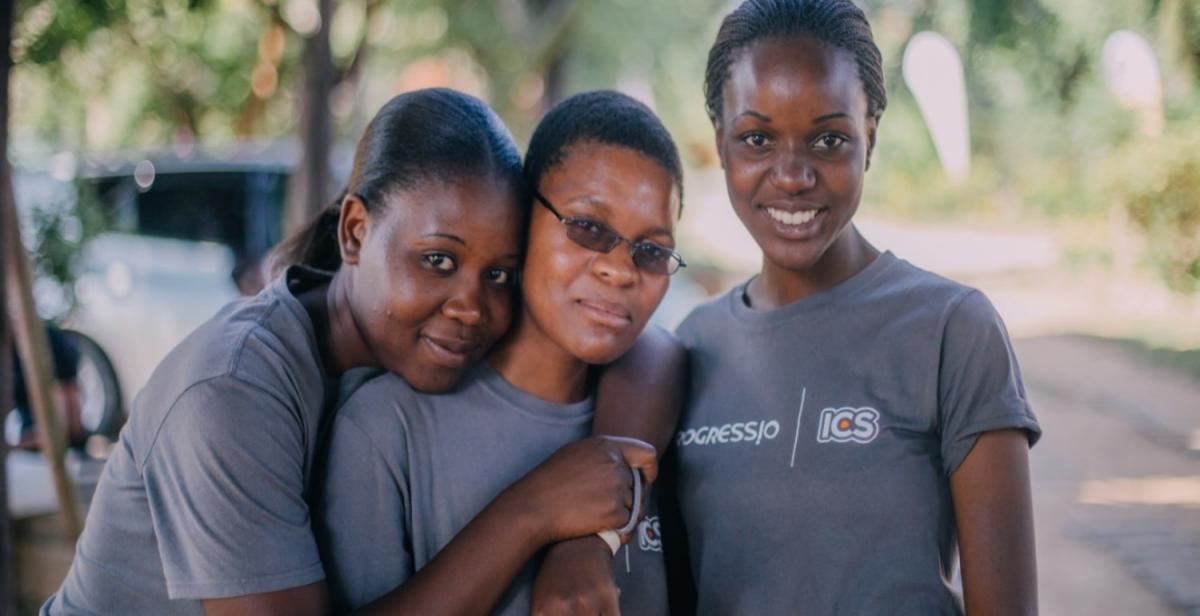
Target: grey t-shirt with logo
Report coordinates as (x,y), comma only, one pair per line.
(818,439)
(407,471)
(204,494)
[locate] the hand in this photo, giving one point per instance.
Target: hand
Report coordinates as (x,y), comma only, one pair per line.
(584,488)
(576,578)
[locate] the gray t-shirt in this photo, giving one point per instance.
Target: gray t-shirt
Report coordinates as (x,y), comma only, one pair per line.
(407,471)
(818,439)
(204,494)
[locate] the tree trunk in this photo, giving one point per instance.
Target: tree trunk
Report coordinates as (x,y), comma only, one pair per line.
(309,189)
(33,348)
(8,591)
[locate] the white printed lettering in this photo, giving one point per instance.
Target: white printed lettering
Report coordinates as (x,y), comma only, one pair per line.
(846,424)
(738,432)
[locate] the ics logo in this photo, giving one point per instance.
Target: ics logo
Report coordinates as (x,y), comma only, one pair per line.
(649,534)
(846,424)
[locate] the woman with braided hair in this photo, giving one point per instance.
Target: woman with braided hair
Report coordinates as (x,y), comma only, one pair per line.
(855,427)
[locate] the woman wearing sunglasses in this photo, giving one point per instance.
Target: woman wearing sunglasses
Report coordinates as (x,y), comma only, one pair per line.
(608,180)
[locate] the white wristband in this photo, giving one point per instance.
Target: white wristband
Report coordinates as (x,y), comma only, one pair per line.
(612,539)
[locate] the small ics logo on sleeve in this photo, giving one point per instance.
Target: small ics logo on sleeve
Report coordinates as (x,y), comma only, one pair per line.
(846,424)
(649,534)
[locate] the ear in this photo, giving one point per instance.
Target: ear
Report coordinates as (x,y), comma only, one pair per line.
(717,129)
(352,228)
(872,125)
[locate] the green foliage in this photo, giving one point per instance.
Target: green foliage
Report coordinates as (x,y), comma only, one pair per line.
(50,27)
(112,74)
(57,229)
(1158,180)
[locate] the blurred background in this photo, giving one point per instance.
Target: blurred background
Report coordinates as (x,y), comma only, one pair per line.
(1045,151)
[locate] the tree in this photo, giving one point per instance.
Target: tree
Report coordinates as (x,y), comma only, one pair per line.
(7,589)
(310,184)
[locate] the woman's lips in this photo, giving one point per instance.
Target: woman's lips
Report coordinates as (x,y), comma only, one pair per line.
(605,313)
(797,223)
(449,352)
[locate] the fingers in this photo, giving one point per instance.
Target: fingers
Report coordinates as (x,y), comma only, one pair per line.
(649,474)
(637,454)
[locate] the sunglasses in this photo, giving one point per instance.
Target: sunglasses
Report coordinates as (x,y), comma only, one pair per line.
(595,235)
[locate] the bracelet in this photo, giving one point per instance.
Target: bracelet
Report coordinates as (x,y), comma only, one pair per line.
(636,513)
(612,538)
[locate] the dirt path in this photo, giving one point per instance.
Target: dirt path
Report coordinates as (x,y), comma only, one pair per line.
(1116,479)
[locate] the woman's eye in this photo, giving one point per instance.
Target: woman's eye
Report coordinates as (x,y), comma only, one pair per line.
(829,142)
(501,276)
(755,140)
(590,226)
(439,261)
(653,251)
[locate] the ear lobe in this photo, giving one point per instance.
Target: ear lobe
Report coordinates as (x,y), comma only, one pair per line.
(352,228)
(717,142)
(872,124)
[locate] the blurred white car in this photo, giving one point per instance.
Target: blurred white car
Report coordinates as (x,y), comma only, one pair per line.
(175,229)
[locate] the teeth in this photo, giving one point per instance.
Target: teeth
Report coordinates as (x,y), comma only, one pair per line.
(792,218)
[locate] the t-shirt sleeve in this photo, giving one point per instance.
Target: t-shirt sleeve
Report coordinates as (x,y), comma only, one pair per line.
(979,382)
(225,487)
(362,514)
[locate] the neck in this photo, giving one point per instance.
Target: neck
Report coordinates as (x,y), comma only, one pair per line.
(776,287)
(339,338)
(534,364)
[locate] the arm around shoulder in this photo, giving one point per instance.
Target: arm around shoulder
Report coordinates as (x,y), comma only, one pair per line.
(641,394)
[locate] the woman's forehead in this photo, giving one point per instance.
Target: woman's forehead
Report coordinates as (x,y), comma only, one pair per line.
(611,180)
(791,72)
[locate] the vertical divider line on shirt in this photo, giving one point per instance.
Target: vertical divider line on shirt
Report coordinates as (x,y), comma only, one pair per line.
(799,414)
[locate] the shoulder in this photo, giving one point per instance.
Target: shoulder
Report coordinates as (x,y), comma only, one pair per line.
(376,401)
(955,303)
(657,357)
(253,338)
(656,344)
(904,278)
(252,350)
(372,425)
(218,414)
(931,299)
(706,316)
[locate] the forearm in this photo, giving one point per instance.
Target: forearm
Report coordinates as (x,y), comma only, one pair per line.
(472,572)
(994,514)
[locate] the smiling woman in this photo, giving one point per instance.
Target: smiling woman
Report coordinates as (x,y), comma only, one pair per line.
(461,231)
(201,507)
(437,468)
(774,152)
(906,423)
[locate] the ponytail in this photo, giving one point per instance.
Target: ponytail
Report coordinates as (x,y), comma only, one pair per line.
(314,245)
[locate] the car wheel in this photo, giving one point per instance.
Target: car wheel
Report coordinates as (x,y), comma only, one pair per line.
(100,401)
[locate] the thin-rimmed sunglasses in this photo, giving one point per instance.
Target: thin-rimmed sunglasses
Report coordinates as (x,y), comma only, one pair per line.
(597,236)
